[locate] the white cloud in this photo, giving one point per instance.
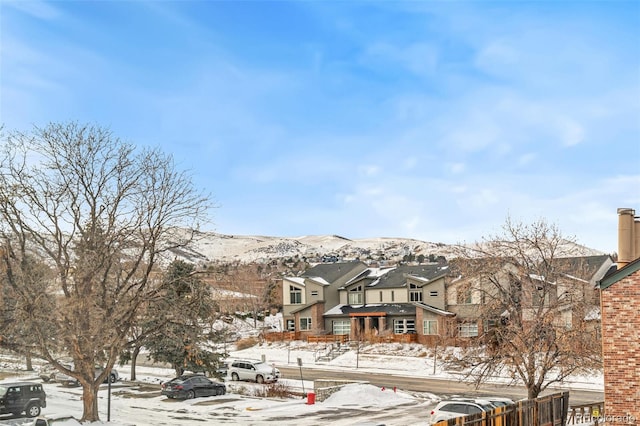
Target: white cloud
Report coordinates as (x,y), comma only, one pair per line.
(39,9)
(570,131)
(456,167)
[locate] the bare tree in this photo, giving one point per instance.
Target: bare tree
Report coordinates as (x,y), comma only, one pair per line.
(514,280)
(99,213)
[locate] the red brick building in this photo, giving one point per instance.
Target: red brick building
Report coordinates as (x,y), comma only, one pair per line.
(620,306)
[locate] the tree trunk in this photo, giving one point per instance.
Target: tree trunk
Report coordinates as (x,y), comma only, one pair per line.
(134,361)
(90,402)
(28,361)
(533,391)
(178,369)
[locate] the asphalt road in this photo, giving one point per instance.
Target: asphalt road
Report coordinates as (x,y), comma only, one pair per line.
(436,386)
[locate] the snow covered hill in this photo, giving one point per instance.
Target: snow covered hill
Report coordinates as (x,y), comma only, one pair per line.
(212,247)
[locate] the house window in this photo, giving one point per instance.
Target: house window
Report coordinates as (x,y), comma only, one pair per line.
(291,325)
(464,296)
(341,327)
(490,324)
(404,326)
(305,323)
(355,296)
(381,296)
(392,296)
(430,327)
(540,296)
(314,292)
(433,293)
(468,329)
(295,295)
(415,293)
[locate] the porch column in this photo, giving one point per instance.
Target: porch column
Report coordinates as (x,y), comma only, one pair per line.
(367,326)
(353,331)
(382,324)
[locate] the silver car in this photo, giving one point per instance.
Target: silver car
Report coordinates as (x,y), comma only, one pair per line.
(255,371)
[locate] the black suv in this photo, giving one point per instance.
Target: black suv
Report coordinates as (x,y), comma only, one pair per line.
(22,397)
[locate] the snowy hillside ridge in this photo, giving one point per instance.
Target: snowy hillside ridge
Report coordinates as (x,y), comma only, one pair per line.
(214,247)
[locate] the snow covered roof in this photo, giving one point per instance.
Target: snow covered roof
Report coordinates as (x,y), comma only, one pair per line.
(434,309)
(319,280)
(219,293)
(369,273)
(297,280)
(397,278)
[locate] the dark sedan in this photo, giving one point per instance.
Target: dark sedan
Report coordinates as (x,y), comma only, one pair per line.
(192,386)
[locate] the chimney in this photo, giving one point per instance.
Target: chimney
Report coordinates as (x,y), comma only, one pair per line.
(628,236)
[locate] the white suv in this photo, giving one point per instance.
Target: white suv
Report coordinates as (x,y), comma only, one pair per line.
(452,408)
(256,371)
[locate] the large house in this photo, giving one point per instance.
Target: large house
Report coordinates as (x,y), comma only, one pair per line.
(349,298)
(426,302)
(620,299)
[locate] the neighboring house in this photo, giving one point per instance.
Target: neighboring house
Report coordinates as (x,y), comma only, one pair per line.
(306,296)
(399,300)
(489,287)
(429,301)
(578,291)
(620,299)
(352,299)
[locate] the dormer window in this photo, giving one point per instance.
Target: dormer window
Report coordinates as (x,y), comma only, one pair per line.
(355,295)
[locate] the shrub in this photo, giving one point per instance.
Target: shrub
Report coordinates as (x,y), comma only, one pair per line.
(246,343)
(273,390)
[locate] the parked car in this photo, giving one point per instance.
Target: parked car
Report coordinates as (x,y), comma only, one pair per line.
(50,373)
(22,397)
(222,370)
(458,407)
(498,401)
(191,386)
(256,371)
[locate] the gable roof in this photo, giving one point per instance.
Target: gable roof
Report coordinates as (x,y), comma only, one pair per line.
(397,277)
(615,275)
(368,274)
(303,307)
(327,273)
(583,267)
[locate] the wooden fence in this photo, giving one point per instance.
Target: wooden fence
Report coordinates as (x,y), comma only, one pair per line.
(544,411)
(586,413)
(328,338)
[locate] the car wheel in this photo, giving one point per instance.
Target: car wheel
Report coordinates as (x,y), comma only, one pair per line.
(33,410)
(234,377)
(191,394)
(259,379)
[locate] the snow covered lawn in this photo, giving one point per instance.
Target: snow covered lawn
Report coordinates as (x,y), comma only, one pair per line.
(140,403)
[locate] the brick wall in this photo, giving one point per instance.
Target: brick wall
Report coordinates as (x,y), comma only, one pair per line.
(621,351)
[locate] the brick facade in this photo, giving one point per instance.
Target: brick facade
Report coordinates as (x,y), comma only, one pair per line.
(620,306)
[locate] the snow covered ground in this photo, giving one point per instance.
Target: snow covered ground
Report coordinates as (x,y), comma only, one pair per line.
(140,403)
(355,404)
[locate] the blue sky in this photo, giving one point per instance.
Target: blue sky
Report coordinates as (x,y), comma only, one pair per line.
(432,120)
